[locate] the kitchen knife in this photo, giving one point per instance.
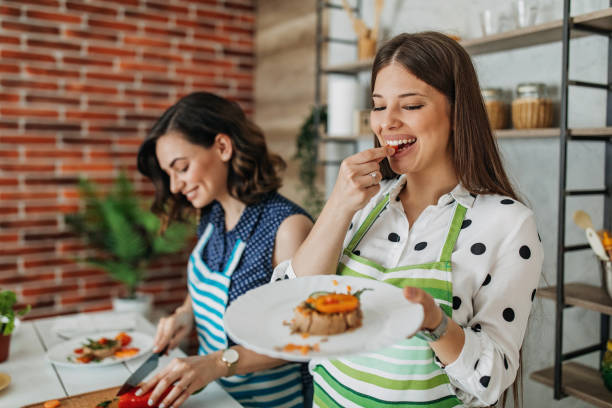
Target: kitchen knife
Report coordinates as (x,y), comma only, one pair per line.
(142,371)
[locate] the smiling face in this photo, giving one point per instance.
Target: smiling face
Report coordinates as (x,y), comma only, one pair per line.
(414,117)
(198,173)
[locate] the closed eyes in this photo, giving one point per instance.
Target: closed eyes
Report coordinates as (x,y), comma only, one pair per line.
(407,107)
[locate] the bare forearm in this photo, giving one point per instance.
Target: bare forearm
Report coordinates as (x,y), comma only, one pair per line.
(186,307)
(449,346)
(318,255)
(248,362)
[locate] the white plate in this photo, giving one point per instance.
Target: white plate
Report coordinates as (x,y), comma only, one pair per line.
(60,353)
(255,320)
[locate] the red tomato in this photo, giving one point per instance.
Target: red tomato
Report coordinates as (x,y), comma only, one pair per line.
(78,351)
(124,338)
(129,400)
(103,340)
(84,359)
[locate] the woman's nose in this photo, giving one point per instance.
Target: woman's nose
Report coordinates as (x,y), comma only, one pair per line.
(175,184)
(390,119)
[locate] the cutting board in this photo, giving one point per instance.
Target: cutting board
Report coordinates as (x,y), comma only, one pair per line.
(87,400)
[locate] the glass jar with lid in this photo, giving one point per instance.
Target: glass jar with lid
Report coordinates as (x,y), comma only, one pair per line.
(496,107)
(531,108)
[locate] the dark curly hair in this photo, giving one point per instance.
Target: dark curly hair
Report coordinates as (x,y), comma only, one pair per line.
(200,117)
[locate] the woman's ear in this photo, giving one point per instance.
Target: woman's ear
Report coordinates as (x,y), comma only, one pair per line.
(224,146)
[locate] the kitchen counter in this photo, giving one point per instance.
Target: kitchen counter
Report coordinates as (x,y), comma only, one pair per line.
(35,379)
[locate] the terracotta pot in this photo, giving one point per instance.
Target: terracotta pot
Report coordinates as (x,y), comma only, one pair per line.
(5,342)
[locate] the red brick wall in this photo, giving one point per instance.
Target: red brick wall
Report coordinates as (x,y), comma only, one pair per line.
(81,82)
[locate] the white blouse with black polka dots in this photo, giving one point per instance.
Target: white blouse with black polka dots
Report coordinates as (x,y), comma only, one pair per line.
(496,267)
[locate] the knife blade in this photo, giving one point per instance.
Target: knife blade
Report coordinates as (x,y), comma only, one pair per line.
(141,372)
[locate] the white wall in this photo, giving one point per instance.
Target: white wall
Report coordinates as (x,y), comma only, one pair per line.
(531,163)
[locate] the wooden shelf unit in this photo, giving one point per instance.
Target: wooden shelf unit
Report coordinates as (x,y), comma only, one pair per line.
(602,133)
(579,381)
(581,295)
(523,37)
(535,35)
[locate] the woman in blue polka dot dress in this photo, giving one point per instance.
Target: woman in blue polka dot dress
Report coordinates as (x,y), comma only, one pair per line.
(203,153)
(429,209)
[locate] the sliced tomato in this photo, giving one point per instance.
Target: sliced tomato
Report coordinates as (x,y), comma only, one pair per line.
(129,400)
(123,338)
(84,359)
(52,404)
(78,351)
(103,340)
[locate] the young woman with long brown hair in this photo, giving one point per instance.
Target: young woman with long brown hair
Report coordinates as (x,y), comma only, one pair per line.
(204,154)
(429,209)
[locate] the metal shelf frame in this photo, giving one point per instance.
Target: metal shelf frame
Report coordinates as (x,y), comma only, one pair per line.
(564,192)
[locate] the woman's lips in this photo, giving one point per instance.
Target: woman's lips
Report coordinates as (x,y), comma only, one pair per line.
(191,194)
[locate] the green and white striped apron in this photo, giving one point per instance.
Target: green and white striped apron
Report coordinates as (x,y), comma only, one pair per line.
(403,375)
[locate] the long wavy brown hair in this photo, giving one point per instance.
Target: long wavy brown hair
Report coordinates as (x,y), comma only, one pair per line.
(443,64)
(200,117)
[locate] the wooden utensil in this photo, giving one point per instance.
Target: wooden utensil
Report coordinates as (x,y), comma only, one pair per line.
(378,6)
(583,220)
(596,244)
(358,25)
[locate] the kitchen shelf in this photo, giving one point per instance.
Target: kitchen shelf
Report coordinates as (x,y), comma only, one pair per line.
(351,68)
(579,381)
(599,133)
(539,34)
(523,37)
(582,295)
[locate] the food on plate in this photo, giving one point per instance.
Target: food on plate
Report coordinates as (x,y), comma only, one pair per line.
(101,348)
(97,350)
(52,404)
(328,313)
(302,348)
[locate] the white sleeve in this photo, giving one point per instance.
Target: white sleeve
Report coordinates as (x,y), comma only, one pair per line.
(489,360)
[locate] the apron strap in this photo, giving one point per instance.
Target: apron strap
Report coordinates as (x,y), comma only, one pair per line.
(365,226)
(232,262)
(203,239)
(453,233)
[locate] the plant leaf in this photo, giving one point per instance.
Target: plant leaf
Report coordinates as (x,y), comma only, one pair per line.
(360,292)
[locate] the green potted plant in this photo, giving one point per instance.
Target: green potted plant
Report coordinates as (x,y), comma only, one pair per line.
(126,237)
(307,149)
(7,320)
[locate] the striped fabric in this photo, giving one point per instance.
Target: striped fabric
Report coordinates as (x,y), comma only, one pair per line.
(278,387)
(405,374)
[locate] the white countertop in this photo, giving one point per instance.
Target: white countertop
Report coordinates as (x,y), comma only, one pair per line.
(35,379)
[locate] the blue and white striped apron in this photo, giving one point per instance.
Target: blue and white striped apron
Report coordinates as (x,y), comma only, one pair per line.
(277,387)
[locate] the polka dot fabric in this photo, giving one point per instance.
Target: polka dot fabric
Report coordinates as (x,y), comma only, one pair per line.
(497,262)
(257,227)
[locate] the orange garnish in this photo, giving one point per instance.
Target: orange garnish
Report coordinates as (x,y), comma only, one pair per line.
(336,303)
(335,282)
(126,352)
(348,289)
(52,404)
(303,349)
(305,335)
